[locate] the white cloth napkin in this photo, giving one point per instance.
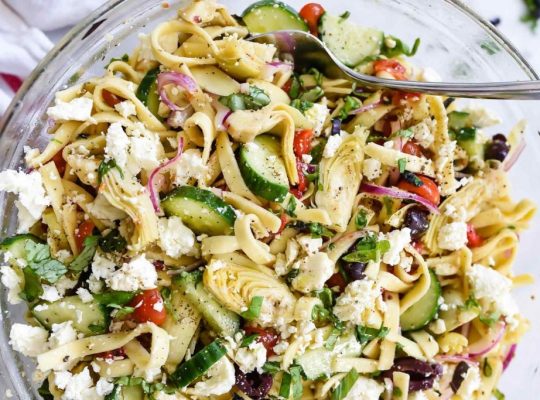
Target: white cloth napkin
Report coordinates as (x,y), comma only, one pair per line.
(22,40)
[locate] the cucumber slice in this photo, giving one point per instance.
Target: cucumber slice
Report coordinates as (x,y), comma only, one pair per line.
(316,363)
(263,169)
(424,310)
(147,91)
(181,325)
(458,120)
(223,321)
(349,42)
(88,318)
(15,245)
(201,210)
(269,15)
(197,365)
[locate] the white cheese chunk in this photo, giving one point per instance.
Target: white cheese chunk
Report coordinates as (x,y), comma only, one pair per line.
(32,199)
(332,145)
(61,334)
(398,239)
(471,383)
(189,166)
(28,340)
(76,386)
(358,297)
(251,358)
(126,108)
(84,295)
(372,168)
(365,389)
(480,116)
(452,236)
(102,267)
(138,274)
(50,293)
(317,114)
(78,109)
(220,380)
(422,133)
(314,271)
(117,144)
(175,238)
(309,244)
(12,282)
(104,387)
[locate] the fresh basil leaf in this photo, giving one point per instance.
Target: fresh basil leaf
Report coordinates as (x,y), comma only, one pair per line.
(296,381)
(290,207)
(326,296)
(32,286)
(350,104)
(317,152)
(397,47)
(318,230)
(368,249)
(361,219)
(85,257)
(254,308)
(166,296)
(465,134)
(247,340)
(301,105)
(39,259)
(112,242)
(271,367)
(114,297)
(255,99)
(402,165)
(121,311)
(285,387)
(397,392)
(296,87)
(313,94)
(105,167)
(345,385)
(332,339)
(365,334)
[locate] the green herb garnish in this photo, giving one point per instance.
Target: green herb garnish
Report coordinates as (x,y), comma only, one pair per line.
(345,385)
(38,257)
(85,257)
(398,47)
(365,334)
(105,167)
(254,308)
(255,99)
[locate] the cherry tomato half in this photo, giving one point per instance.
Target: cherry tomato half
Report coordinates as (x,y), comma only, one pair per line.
(284,221)
(393,67)
(473,238)
(312,13)
(399,97)
(60,163)
(267,337)
(149,307)
(428,190)
(110,98)
(302,142)
(85,229)
(412,148)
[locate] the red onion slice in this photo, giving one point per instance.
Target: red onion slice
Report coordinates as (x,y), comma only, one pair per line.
(366,108)
(176,78)
(509,356)
(488,342)
(151,185)
(509,162)
(222,114)
(398,194)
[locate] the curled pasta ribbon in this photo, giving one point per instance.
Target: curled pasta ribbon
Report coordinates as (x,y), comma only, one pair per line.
(235,285)
(391,321)
(60,357)
(126,70)
(454,263)
(499,250)
(199,129)
(125,90)
(128,195)
(258,251)
(340,178)
(268,219)
(219,245)
(504,213)
(426,343)
(368,118)
(82,198)
(421,287)
(390,157)
(65,134)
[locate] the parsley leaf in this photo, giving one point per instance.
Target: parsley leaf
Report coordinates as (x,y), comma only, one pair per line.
(297,387)
(39,259)
(368,249)
(361,219)
(255,99)
(302,105)
(105,167)
(397,47)
(351,104)
(86,255)
(254,308)
(365,334)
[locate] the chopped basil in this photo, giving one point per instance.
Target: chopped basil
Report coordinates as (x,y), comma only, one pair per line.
(361,219)
(254,308)
(105,167)
(397,392)
(296,87)
(350,104)
(124,58)
(317,152)
(471,303)
(498,394)
(368,249)
(255,99)
(318,230)
(291,207)
(302,105)
(313,94)
(326,296)
(487,370)
(365,334)
(285,387)
(293,273)
(345,385)
(247,340)
(112,242)
(345,15)
(490,319)
(38,257)
(412,179)
(397,47)
(85,257)
(121,311)
(317,75)
(297,387)
(32,286)
(166,296)
(271,367)
(320,314)
(115,297)
(402,165)
(332,339)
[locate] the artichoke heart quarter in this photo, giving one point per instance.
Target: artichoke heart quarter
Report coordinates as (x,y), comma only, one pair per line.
(236,285)
(340,178)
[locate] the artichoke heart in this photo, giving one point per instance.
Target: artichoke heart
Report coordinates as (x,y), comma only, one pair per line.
(126,194)
(235,285)
(340,178)
(242,59)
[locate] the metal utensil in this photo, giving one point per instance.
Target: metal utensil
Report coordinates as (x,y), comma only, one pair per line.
(308,51)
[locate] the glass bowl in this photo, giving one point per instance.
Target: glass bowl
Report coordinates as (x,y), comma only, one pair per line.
(455,42)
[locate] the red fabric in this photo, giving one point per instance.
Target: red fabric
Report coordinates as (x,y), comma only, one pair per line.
(13,81)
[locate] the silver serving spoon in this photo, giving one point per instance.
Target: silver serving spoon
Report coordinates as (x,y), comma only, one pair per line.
(308,51)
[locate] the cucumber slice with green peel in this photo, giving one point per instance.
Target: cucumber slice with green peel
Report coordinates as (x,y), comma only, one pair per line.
(263,169)
(88,318)
(424,310)
(221,320)
(16,245)
(197,365)
(349,42)
(147,91)
(269,15)
(201,210)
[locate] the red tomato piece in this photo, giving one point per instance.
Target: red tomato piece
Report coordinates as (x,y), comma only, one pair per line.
(267,337)
(337,280)
(85,229)
(110,98)
(413,149)
(393,67)
(428,190)
(287,86)
(399,97)
(60,163)
(302,142)
(312,13)
(284,221)
(149,307)
(473,238)
(112,354)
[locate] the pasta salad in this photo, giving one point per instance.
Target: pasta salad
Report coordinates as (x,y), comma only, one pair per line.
(209,222)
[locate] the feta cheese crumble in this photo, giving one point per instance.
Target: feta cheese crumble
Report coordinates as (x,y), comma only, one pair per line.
(365,389)
(189,166)
(309,245)
(28,340)
(76,386)
(61,334)
(138,274)
(422,133)
(33,199)
(78,109)
(332,145)
(251,358)
(372,168)
(314,271)
(126,108)
(481,116)
(317,114)
(358,297)
(470,384)
(452,236)
(220,380)
(175,238)
(12,282)
(84,295)
(117,144)
(398,239)
(50,293)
